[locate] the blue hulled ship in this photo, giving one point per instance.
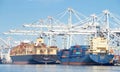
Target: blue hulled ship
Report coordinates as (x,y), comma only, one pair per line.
(75,55)
(97,53)
(100,52)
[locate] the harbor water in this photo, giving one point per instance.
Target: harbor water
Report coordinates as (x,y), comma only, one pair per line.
(56,68)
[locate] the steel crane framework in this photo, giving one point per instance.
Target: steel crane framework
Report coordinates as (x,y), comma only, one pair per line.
(70,24)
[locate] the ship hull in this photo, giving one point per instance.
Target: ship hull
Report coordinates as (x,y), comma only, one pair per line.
(46,59)
(76,55)
(102,59)
(23,59)
(33,59)
(79,60)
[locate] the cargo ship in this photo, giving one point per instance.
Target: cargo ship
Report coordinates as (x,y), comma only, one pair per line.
(34,53)
(100,52)
(75,55)
(97,53)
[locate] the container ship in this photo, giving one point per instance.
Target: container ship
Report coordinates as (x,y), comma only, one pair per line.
(96,53)
(100,52)
(34,53)
(75,55)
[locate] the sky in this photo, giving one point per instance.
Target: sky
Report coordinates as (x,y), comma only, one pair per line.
(14,13)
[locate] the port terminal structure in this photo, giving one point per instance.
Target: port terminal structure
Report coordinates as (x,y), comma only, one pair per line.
(70,24)
(5,50)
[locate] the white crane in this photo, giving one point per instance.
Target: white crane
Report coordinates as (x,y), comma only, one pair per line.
(5,50)
(52,27)
(55,27)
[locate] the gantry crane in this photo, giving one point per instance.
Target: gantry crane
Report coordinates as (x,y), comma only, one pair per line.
(52,27)
(5,50)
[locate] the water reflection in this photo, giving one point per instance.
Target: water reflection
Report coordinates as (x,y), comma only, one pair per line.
(57,68)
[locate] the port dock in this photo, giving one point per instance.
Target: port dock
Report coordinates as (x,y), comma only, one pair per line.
(65,30)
